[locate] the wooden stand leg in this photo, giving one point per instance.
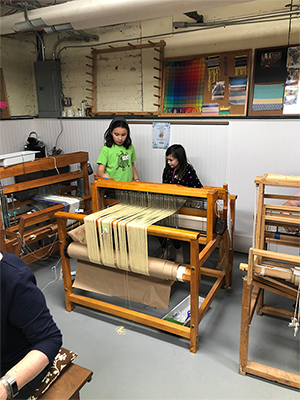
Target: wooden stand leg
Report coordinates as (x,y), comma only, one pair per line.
(65,263)
(228,273)
(194,288)
(221,254)
(232,228)
(260,302)
(21,233)
(245,326)
(2,240)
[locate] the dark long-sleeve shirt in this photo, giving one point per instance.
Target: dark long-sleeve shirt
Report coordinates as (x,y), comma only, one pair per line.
(26,323)
(189,179)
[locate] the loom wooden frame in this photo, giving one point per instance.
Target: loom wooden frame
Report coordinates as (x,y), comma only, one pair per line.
(158,46)
(262,276)
(193,272)
(32,228)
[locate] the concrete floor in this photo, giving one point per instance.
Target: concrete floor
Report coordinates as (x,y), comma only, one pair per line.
(144,363)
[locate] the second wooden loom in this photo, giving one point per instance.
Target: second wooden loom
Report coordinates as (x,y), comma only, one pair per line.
(222,273)
(35,232)
(277,272)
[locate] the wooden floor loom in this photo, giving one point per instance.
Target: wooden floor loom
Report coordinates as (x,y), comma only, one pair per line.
(35,232)
(101,189)
(271,270)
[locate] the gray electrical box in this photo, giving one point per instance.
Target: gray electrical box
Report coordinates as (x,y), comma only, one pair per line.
(49,88)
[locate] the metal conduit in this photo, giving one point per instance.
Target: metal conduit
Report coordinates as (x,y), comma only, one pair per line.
(236,20)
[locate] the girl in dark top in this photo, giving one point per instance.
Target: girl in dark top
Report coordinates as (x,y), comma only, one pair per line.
(178,171)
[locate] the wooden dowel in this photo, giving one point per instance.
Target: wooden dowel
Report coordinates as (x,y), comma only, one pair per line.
(89,73)
(158,69)
(156,95)
(89,82)
(112,47)
(89,65)
(158,105)
(156,59)
(149,41)
(89,57)
(157,87)
(157,50)
(157,77)
(132,45)
(88,97)
(90,90)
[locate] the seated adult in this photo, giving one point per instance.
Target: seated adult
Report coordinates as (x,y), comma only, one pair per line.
(30,338)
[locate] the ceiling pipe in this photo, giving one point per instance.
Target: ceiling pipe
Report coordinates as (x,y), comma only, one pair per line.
(86,14)
(74,37)
(236,21)
(42,45)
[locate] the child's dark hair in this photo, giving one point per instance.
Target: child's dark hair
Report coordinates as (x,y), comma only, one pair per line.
(116,123)
(176,151)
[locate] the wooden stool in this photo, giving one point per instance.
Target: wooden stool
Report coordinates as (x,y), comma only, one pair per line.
(67,385)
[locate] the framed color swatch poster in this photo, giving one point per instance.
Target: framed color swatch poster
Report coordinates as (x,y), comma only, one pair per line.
(212,85)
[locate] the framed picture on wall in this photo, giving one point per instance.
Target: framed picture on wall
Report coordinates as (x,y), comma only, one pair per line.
(275,83)
(207,85)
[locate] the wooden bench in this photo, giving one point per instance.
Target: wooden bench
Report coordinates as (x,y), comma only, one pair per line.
(68,385)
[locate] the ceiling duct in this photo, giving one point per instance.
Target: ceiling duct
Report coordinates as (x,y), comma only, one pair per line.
(85,14)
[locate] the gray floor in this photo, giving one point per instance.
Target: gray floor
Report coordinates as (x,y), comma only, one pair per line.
(144,363)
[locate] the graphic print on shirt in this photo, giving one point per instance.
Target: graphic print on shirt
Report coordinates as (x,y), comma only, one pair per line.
(123,160)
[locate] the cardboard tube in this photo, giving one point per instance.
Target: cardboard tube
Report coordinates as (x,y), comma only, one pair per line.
(158,268)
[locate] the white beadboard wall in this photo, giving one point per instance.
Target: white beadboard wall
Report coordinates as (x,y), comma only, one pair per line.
(235,153)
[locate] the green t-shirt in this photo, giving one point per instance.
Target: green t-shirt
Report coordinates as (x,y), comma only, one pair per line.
(118,162)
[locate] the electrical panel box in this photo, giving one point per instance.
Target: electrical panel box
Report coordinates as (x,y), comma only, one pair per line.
(49,88)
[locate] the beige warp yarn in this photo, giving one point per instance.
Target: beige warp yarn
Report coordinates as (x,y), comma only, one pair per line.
(120,231)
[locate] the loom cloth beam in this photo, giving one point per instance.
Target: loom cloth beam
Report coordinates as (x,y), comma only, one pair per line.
(79,251)
(158,268)
(291,273)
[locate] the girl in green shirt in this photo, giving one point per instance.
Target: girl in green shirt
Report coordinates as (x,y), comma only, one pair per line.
(117,156)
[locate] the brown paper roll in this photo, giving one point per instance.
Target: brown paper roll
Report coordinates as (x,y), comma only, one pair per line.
(158,268)
(148,290)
